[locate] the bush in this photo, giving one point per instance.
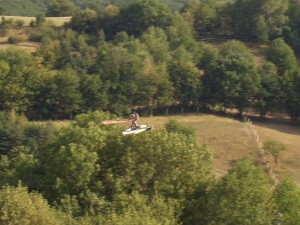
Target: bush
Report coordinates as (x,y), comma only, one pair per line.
(8,24)
(19,23)
(15,39)
(174,126)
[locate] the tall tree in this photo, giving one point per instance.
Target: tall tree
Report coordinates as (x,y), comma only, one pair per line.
(154,86)
(261,19)
(59,8)
(275,16)
(275,148)
(270,93)
(120,69)
(68,99)
(94,92)
(281,55)
(244,196)
(174,169)
(142,14)
(180,34)
(293,36)
(75,168)
(291,89)
(12,131)
(16,66)
(85,21)
(287,197)
(128,209)
(157,43)
(186,78)
(18,206)
(202,15)
(243,15)
(232,80)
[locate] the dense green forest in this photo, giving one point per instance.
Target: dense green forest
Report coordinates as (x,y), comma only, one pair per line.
(110,59)
(146,56)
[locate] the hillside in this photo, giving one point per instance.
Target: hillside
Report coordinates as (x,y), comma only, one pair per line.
(33,7)
(23,7)
(231,140)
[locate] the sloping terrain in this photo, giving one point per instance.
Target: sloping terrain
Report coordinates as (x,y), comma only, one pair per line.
(34,7)
(231,140)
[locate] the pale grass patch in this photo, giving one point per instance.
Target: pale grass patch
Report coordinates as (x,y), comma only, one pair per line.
(57,21)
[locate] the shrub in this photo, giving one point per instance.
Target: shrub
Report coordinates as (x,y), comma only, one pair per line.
(15,39)
(19,23)
(174,126)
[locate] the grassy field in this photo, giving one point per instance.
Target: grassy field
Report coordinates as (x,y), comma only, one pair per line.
(231,140)
(57,21)
(290,136)
(21,32)
(227,138)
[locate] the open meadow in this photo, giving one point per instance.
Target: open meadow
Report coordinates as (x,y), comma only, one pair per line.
(22,32)
(57,21)
(230,140)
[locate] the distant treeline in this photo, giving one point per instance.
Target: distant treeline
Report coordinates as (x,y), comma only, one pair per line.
(35,7)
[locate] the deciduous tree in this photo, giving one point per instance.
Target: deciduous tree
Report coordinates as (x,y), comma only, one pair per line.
(59,8)
(232,80)
(281,55)
(287,197)
(244,196)
(274,148)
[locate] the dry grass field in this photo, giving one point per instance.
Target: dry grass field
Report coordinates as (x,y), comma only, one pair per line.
(57,21)
(23,33)
(27,46)
(231,140)
(289,160)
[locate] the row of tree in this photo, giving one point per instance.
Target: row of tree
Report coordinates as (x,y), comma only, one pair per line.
(87,173)
(142,56)
(68,76)
(261,20)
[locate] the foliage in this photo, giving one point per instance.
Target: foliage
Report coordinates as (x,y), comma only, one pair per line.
(270,94)
(281,55)
(15,65)
(94,175)
(244,196)
(15,39)
(275,148)
(174,126)
(60,8)
(287,197)
(291,87)
(18,206)
(155,165)
(232,79)
(186,78)
(141,54)
(142,14)
(40,19)
(32,7)
(140,209)
(12,131)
